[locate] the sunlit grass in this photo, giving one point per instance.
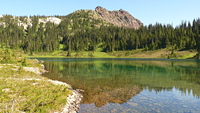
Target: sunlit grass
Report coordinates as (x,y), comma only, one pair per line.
(26,91)
(187,55)
(139,53)
(22,91)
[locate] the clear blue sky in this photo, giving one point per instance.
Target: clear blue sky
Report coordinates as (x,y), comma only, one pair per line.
(148,11)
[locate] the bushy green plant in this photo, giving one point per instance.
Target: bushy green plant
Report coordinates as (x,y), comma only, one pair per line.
(127,53)
(172,55)
(7,56)
(91,54)
(23,62)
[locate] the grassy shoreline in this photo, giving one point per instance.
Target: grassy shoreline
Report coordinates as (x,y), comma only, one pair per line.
(162,53)
(23,89)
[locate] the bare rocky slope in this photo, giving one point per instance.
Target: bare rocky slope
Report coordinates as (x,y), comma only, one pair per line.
(119,18)
(100,16)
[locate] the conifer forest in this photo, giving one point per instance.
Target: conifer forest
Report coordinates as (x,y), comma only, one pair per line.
(80,32)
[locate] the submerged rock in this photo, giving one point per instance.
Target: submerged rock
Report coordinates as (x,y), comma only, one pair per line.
(73,103)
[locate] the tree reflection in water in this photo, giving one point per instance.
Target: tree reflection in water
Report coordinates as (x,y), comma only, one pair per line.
(117,81)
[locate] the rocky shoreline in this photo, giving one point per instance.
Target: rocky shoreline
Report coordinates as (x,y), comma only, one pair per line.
(73,101)
(30,78)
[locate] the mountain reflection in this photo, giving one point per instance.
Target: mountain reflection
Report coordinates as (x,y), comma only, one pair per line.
(117,81)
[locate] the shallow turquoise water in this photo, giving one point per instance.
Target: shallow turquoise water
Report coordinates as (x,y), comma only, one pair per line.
(131,85)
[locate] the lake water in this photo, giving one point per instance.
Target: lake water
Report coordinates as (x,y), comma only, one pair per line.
(131,85)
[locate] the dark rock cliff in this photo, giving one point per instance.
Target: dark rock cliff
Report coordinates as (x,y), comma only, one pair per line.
(119,18)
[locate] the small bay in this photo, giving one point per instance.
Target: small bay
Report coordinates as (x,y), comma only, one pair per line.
(115,85)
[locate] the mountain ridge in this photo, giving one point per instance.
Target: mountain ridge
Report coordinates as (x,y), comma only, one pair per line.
(119,18)
(99,16)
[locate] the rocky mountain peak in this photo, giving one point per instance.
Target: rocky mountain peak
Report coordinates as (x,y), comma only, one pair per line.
(119,18)
(99,9)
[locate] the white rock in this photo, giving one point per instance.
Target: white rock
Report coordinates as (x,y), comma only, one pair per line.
(3,24)
(6,90)
(26,24)
(50,19)
(32,79)
(60,83)
(35,70)
(54,20)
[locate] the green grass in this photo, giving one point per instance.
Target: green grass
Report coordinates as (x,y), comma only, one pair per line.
(23,91)
(46,56)
(103,55)
(58,53)
(61,46)
(139,53)
(187,55)
(90,54)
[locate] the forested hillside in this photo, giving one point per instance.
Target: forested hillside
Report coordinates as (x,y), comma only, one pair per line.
(84,30)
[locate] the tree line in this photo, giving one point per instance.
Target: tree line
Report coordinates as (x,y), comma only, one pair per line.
(80,32)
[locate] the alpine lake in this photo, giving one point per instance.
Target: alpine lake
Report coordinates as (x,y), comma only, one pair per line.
(130,85)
